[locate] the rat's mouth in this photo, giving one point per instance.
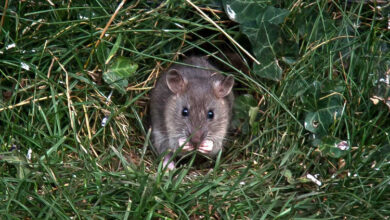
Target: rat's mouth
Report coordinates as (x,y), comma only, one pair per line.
(204,147)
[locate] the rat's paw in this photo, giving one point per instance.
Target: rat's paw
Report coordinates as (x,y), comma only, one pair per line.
(171,164)
(206,147)
(187,146)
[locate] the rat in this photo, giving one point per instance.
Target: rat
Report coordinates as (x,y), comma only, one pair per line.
(191,107)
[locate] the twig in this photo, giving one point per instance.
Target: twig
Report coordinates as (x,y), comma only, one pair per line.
(4,12)
(89,131)
(72,113)
(105,30)
(27,101)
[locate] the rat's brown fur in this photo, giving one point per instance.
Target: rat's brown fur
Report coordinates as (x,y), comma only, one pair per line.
(200,90)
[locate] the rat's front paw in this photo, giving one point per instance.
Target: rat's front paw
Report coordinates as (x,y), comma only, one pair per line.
(186,145)
(167,164)
(206,147)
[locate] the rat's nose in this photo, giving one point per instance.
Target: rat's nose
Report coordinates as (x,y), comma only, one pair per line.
(197,138)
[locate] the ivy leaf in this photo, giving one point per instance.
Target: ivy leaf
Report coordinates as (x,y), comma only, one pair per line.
(118,73)
(20,163)
(244,112)
(328,111)
(273,15)
(243,11)
(260,23)
(268,70)
(242,104)
(334,147)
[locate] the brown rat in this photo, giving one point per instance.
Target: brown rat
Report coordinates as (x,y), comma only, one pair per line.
(191,106)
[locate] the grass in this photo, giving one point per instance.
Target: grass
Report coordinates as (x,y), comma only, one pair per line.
(53,100)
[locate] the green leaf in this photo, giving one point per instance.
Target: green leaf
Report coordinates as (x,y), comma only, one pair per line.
(287,173)
(101,52)
(20,163)
(268,70)
(118,73)
(253,111)
(328,111)
(242,106)
(253,119)
(114,48)
(334,147)
(380,154)
(243,11)
(260,23)
(272,15)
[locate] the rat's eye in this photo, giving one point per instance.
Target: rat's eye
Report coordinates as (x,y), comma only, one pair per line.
(185,112)
(210,114)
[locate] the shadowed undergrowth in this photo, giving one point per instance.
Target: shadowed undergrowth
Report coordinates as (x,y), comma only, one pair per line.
(310,137)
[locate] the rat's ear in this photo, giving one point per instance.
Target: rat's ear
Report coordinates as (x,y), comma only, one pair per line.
(175,81)
(223,87)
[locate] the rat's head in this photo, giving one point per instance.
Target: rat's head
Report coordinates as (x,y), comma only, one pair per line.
(198,114)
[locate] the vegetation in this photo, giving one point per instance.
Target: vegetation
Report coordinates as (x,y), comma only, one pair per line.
(310,138)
